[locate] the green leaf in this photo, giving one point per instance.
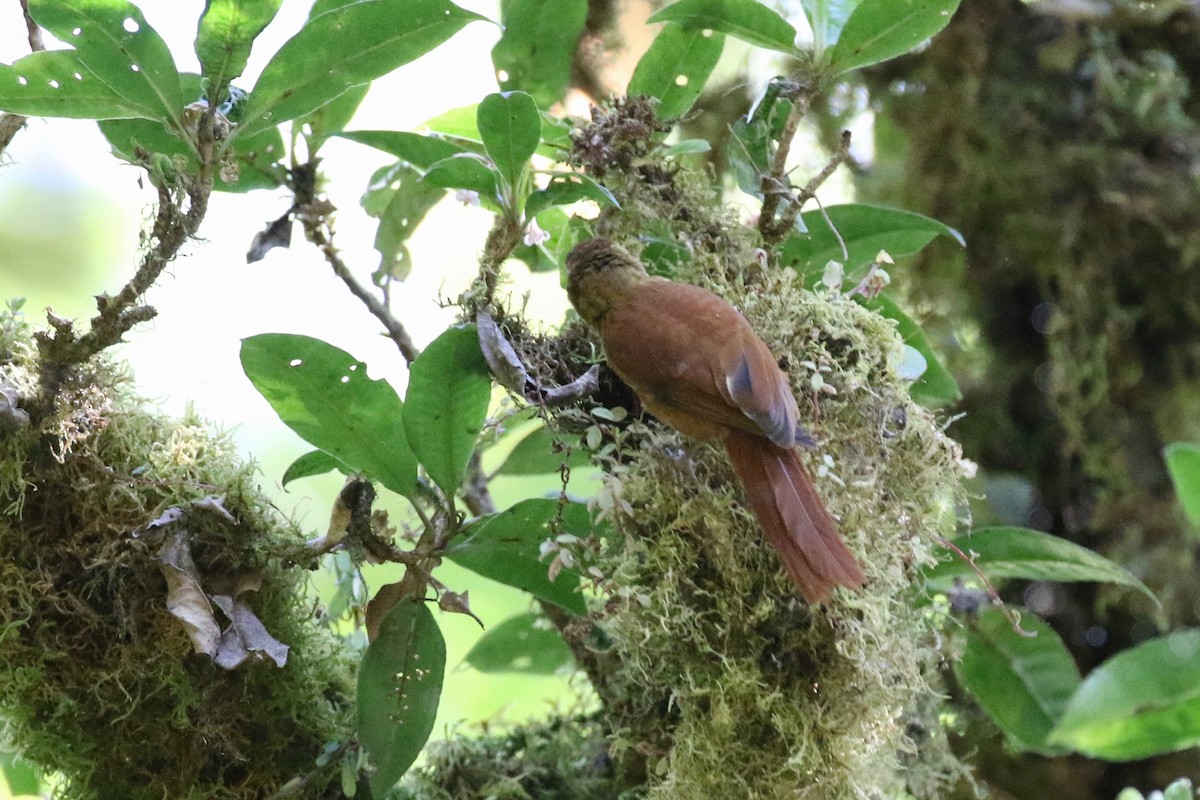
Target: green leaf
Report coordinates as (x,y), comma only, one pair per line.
(1183,464)
(323,394)
(747,20)
(347,46)
(399,686)
(257,157)
(401,200)
(457,122)
(1022,682)
(227,30)
(539,454)
(537,46)
(114,41)
(332,117)
(506,546)
(750,151)
(1008,552)
(565,188)
(449,389)
(687,147)
(318,462)
(866,230)
(418,149)
(511,128)
(881,29)
(20,775)
(55,83)
(827,18)
(1141,702)
(936,387)
(464,171)
(676,67)
(525,644)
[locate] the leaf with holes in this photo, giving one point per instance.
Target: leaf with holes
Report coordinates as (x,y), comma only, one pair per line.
(55,83)
(881,29)
(114,41)
(537,45)
(227,30)
(347,46)
(511,129)
(449,390)
(748,20)
(399,688)
(323,394)
(676,67)
(1022,682)
(525,644)
(401,200)
(506,547)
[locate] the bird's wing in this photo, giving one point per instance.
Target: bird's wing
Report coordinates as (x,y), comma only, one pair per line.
(695,362)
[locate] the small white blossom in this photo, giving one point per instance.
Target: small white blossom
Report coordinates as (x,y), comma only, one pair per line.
(833,276)
(467,197)
(534,235)
(968,468)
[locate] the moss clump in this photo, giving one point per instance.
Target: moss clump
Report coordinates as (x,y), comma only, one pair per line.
(759,695)
(563,759)
(98,681)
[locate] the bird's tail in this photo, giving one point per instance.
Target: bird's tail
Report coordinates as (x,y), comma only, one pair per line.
(792,517)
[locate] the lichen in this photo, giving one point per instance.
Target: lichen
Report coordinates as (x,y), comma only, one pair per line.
(98,681)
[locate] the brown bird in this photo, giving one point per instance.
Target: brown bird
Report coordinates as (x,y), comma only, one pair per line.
(697,365)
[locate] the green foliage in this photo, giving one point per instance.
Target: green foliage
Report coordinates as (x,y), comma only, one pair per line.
(523,643)
(400,199)
(881,29)
(1183,464)
(511,129)
(1023,679)
(1008,552)
(538,453)
(324,395)
(676,67)
(506,548)
(56,83)
(256,157)
(747,20)
(1141,702)
(316,462)
(115,43)
(863,230)
(345,47)
(537,42)
(449,388)
(227,30)
(936,387)
(399,686)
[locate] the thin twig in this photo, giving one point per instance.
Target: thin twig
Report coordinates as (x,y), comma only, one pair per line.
(776,179)
(315,219)
(10,124)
